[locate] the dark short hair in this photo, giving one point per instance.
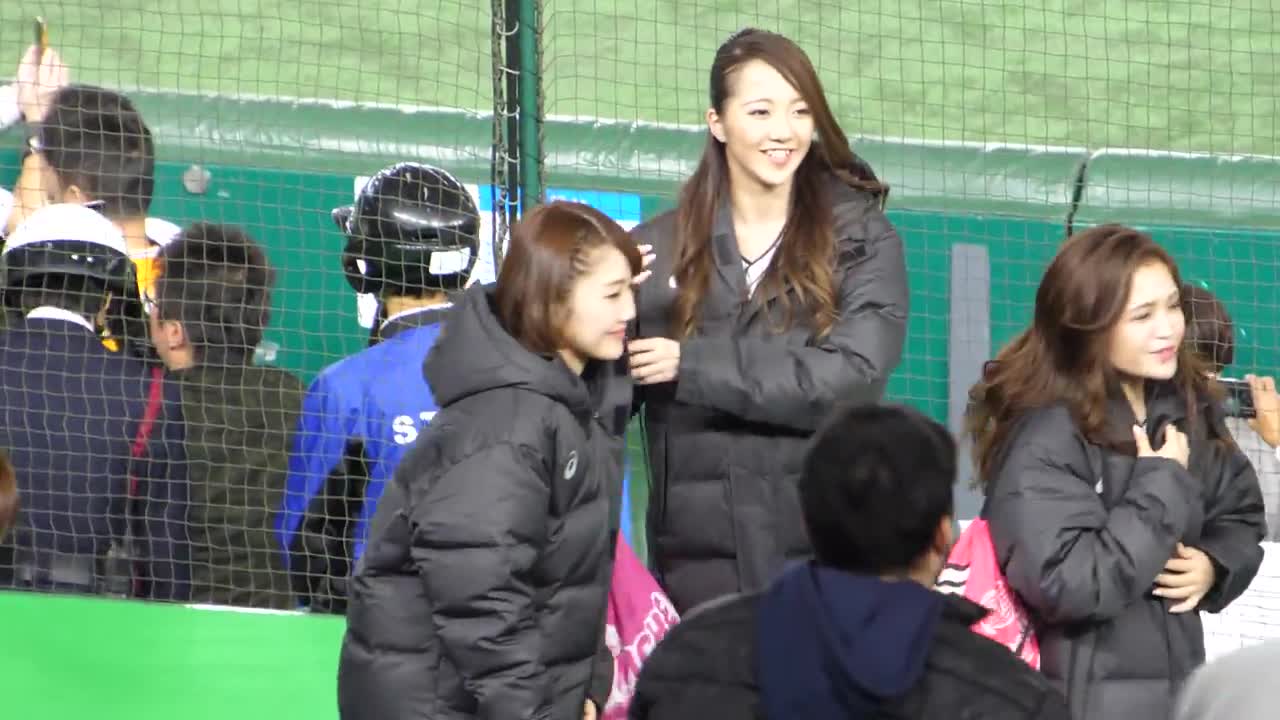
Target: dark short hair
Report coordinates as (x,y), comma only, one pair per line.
(216,281)
(877,483)
(547,253)
(96,140)
(1210,332)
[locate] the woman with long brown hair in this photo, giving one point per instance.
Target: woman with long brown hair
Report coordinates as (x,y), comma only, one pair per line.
(1119,507)
(779,289)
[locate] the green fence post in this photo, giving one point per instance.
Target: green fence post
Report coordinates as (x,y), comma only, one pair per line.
(530,94)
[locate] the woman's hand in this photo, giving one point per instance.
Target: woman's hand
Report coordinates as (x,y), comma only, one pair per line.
(1188,576)
(646,259)
(1266,404)
(1175,445)
(40,76)
(589,710)
(654,360)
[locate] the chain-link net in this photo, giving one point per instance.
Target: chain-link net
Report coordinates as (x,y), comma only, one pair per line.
(139,475)
(998,126)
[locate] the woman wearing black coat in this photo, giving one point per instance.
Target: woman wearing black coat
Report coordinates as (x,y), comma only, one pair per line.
(1119,506)
(779,290)
(482,590)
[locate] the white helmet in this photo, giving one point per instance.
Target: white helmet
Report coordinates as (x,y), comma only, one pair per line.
(67,239)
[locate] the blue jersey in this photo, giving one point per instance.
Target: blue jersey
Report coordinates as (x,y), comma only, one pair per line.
(377,398)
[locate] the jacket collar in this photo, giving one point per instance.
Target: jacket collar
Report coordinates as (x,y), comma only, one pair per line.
(1165,405)
(416,318)
(728,261)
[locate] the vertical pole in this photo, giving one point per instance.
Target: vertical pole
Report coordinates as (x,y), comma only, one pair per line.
(503,165)
(529,73)
(511,106)
(968,349)
(517,146)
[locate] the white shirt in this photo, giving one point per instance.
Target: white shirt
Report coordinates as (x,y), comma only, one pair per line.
(10,110)
(411,311)
(755,269)
(6,207)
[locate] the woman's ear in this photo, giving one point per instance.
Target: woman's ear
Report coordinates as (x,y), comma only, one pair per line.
(715,124)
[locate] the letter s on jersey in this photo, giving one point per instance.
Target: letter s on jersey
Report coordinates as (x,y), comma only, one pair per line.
(406,429)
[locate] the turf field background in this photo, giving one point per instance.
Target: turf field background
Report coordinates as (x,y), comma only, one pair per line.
(1174,75)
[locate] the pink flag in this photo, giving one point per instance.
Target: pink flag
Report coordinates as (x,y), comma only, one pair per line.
(640,614)
(973,571)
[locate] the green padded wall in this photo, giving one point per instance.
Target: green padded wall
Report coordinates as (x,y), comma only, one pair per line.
(1014,200)
(1218,217)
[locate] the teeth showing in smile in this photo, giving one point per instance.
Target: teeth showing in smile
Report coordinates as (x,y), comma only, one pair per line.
(778,154)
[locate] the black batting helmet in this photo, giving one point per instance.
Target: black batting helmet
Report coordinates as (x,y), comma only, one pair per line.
(416,229)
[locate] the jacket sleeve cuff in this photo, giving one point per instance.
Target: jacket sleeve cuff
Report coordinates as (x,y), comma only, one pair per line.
(691,385)
(10,111)
(601,677)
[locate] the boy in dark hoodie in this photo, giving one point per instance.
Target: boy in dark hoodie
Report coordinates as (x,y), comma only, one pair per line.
(859,632)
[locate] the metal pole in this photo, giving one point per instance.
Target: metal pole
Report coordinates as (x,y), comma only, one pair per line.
(530,84)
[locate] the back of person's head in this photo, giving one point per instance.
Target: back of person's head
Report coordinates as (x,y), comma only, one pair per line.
(876,489)
(65,256)
(1210,332)
(413,231)
(99,149)
(215,282)
(556,250)
(9,501)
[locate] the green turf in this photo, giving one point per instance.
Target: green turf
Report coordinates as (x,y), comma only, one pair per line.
(1165,75)
(67,658)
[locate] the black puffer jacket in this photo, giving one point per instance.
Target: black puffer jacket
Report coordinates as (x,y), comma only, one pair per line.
(482,591)
(1083,531)
(708,667)
(726,439)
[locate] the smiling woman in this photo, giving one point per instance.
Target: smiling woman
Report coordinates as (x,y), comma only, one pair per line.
(1118,504)
(483,588)
(781,290)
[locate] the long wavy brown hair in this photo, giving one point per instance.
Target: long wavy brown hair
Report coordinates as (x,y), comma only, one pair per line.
(1064,357)
(805,258)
